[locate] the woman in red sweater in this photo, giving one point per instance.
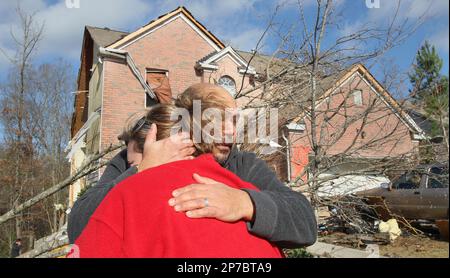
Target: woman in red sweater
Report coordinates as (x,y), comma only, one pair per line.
(135,219)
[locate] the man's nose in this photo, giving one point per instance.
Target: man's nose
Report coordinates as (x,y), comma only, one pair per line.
(229,130)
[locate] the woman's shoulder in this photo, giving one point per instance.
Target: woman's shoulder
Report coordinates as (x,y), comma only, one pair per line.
(164,177)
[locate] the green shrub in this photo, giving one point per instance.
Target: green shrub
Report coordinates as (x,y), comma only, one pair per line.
(297,253)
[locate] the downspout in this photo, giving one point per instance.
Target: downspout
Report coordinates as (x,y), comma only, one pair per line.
(288,155)
(126,57)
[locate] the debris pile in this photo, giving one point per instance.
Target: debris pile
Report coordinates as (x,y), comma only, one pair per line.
(390,227)
(348,214)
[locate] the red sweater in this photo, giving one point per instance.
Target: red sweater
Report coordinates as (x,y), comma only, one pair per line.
(135,220)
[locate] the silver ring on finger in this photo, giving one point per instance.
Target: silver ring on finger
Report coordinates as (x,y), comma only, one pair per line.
(206,202)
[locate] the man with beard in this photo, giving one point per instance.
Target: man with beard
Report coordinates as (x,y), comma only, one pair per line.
(276,212)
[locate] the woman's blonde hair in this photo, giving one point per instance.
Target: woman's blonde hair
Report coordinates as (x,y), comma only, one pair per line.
(158,114)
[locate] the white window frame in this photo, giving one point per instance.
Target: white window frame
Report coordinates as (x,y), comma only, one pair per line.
(227,87)
(357,97)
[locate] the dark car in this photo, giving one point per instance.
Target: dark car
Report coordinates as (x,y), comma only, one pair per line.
(418,194)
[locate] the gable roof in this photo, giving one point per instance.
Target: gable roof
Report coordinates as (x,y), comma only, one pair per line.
(299,99)
(209,61)
(418,114)
(329,84)
(160,21)
(108,38)
(261,62)
(105,36)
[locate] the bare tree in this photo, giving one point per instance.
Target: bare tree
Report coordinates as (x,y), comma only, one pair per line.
(299,80)
(35,116)
(15,97)
(296,79)
(51,118)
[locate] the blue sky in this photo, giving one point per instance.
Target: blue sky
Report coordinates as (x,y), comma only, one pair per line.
(237,22)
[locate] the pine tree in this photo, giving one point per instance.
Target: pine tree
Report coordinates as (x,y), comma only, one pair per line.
(430,89)
(426,77)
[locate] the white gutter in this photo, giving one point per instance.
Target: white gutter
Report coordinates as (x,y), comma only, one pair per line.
(243,68)
(288,156)
(420,136)
(295,126)
(126,56)
(207,66)
(249,70)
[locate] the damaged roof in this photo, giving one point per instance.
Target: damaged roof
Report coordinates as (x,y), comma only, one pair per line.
(163,18)
(105,36)
(260,62)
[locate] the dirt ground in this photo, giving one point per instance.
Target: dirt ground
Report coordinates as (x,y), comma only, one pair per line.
(416,247)
(403,247)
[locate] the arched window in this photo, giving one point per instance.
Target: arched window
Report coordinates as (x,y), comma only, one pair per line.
(228,83)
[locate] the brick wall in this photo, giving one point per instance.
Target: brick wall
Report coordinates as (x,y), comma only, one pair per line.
(385,135)
(175,47)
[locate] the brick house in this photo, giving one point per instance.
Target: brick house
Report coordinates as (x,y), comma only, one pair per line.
(359,121)
(168,54)
(122,73)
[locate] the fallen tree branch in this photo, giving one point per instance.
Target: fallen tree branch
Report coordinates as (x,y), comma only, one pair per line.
(84,170)
(406,224)
(51,246)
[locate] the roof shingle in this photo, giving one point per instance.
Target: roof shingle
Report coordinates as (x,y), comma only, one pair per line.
(105,36)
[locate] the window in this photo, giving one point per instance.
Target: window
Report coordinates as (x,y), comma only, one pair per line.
(159,82)
(408,181)
(357,97)
(438,178)
(228,83)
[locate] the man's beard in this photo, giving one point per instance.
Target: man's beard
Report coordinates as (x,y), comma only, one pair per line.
(221,152)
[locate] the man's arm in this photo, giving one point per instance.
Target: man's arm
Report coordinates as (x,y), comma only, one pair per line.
(283,216)
(276,213)
(86,205)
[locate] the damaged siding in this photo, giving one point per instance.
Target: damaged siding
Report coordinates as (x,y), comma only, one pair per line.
(95,103)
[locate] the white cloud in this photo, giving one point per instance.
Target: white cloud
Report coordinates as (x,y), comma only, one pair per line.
(209,10)
(217,10)
(222,18)
(290,3)
(63,26)
(247,40)
(432,8)
(408,10)
(7,8)
(440,39)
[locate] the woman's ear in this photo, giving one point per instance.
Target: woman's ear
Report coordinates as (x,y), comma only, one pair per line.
(151,135)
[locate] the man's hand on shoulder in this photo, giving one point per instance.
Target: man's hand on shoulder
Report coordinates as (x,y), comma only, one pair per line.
(212,199)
